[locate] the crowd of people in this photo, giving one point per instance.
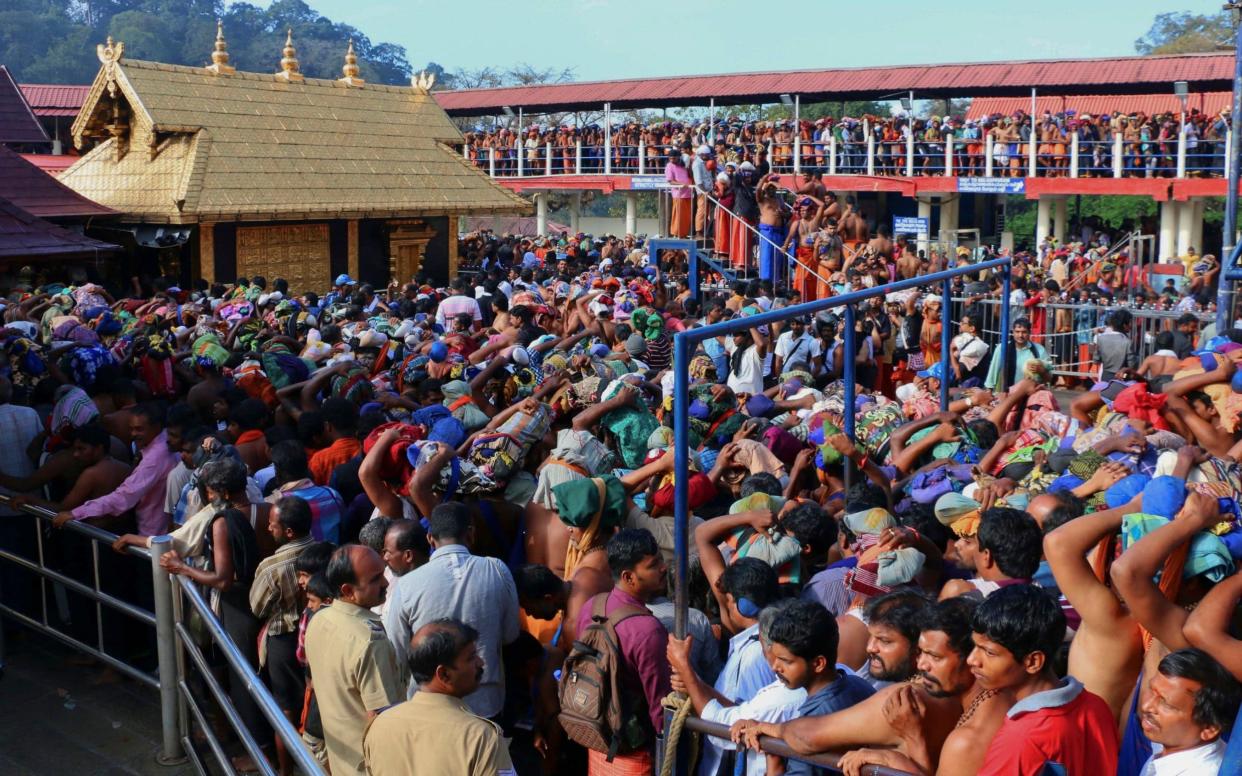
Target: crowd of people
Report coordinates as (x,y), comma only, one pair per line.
(439,520)
(899,144)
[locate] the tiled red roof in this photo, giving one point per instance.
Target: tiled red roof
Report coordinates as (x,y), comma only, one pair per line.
(17,122)
(52,164)
(37,192)
(55,99)
(23,235)
(1097,104)
(1125,75)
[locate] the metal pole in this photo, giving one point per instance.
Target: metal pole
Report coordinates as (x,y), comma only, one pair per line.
(1004,327)
(681,468)
(608,138)
(1224,292)
(166,649)
(946,340)
(847,376)
(1033,144)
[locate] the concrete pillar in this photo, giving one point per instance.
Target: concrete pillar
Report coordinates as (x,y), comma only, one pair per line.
(1043,207)
(949,214)
(925,212)
(1060,219)
(575,210)
(541,213)
(631,212)
(1167,247)
(1185,226)
(1196,224)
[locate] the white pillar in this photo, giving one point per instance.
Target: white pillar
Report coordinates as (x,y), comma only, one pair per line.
(925,212)
(642,157)
(797,145)
(1043,207)
(1032,148)
(910,150)
(870,153)
(547,159)
(1196,224)
(575,210)
(521,157)
(1060,219)
(631,212)
(832,154)
(541,213)
(578,156)
(948,155)
(988,162)
(950,208)
(1167,248)
(1073,169)
(1181,153)
(1185,226)
(1119,161)
(491,161)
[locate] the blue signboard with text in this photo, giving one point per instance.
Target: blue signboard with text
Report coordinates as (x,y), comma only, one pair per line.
(910,225)
(992,185)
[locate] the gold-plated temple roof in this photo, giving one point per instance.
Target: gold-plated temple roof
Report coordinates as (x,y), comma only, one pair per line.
(198,147)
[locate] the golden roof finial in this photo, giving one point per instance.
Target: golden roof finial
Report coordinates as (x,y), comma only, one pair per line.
(423,81)
(350,69)
(110,52)
(289,62)
(220,55)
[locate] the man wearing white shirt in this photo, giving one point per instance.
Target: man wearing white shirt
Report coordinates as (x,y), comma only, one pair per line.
(797,346)
(1189,702)
(746,351)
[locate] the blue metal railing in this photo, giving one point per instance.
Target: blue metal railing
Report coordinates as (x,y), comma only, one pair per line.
(685,342)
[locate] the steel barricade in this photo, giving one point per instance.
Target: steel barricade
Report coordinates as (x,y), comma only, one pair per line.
(174,642)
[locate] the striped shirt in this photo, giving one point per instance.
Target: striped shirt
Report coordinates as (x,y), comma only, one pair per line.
(274,595)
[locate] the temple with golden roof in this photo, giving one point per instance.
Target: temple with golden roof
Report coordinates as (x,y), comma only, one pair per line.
(278,174)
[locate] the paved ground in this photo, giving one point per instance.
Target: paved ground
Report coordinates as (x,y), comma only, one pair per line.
(54,720)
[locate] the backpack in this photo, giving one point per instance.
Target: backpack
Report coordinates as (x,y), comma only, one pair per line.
(596,711)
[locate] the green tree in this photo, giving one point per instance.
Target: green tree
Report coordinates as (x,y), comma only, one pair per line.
(1182,32)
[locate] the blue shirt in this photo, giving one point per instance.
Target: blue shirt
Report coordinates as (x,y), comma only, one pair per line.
(846,691)
(745,671)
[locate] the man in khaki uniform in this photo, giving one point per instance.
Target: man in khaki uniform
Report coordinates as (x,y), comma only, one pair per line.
(351,660)
(434,732)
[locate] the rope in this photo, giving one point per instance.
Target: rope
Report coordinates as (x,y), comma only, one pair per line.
(681,708)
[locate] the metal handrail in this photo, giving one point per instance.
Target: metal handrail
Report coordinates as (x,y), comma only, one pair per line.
(781,749)
(684,341)
(171,632)
(254,685)
(793,259)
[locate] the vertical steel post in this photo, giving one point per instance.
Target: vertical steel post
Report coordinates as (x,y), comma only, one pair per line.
(1225,287)
(166,646)
(847,375)
(681,468)
(693,279)
(1006,278)
(946,339)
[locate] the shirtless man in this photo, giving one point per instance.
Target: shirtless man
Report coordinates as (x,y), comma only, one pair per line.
(101,474)
(1107,650)
(1192,413)
(912,725)
(881,245)
(908,264)
(854,227)
(810,185)
(771,224)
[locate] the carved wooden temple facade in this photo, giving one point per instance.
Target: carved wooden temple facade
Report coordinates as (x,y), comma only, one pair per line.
(280,175)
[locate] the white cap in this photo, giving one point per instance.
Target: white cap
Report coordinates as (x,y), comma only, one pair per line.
(704,149)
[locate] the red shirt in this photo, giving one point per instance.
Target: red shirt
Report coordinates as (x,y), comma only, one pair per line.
(1066,725)
(332,456)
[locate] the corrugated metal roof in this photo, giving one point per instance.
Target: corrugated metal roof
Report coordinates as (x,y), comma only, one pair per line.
(18,124)
(52,164)
(22,235)
(55,99)
(37,192)
(1097,104)
(1126,75)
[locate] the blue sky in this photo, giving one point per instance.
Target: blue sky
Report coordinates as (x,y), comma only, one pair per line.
(605,39)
